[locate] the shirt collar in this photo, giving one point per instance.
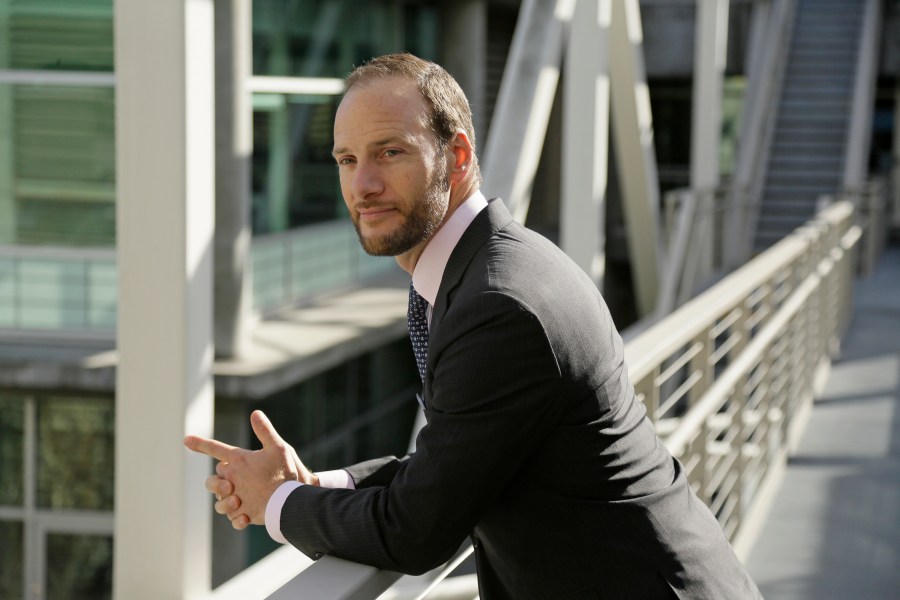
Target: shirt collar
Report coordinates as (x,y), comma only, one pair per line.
(431,264)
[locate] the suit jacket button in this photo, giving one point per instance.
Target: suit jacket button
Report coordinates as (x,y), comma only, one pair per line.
(319,555)
(476,543)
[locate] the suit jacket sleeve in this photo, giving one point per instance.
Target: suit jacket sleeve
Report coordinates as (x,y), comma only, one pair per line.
(493,371)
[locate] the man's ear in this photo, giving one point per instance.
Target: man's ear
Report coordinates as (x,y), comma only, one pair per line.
(461,155)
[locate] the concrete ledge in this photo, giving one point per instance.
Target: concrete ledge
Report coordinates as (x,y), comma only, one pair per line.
(285,349)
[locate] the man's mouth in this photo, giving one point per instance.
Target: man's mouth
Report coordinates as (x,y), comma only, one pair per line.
(374,212)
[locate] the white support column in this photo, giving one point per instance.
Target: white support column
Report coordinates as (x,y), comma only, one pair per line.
(523,105)
(635,156)
(586,137)
(165,172)
(710,43)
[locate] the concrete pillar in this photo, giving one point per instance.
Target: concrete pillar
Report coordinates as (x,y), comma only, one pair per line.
(165,204)
(234,147)
(7,132)
(523,106)
(586,137)
(635,157)
(464,53)
(710,44)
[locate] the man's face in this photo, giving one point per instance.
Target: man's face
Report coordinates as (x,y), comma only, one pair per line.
(393,174)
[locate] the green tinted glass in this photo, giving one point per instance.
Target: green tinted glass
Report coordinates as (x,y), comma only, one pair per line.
(79,567)
(11,565)
(75,453)
(67,35)
(57,165)
(12,459)
(321,38)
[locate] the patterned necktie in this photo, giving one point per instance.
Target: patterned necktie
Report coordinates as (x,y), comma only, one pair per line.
(417,320)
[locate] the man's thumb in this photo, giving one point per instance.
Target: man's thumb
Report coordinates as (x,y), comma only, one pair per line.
(264,429)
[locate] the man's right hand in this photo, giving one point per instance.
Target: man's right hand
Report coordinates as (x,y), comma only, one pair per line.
(245,480)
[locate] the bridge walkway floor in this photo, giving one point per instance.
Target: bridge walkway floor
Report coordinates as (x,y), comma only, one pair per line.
(833,531)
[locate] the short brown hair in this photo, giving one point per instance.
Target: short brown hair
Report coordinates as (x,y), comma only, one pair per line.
(449,109)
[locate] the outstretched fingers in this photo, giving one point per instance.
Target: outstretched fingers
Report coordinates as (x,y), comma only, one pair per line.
(214,448)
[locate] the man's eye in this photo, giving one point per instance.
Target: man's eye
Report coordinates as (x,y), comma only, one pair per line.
(391,152)
(345,161)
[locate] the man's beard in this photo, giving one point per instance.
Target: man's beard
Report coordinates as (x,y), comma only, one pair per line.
(422,222)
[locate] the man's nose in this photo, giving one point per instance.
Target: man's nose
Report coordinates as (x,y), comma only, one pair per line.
(367,180)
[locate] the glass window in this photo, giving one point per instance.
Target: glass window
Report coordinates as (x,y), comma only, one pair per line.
(321,38)
(71,35)
(12,459)
(11,565)
(295,179)
(57,165)
(75,453)
(79,567)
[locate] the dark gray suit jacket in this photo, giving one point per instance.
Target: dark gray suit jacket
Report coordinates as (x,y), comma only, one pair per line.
(534,445)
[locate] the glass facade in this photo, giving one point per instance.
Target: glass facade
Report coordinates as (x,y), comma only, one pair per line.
(70,35)
(12,423)
(56,495)
(76,444)
(12,560)
(81,567)
(57,158)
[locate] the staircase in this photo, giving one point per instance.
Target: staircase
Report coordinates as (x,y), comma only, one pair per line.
(807,155)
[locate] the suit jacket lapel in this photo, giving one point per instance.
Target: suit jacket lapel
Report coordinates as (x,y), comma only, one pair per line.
(488,222)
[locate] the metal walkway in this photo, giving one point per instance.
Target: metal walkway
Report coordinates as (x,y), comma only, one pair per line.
(834,528)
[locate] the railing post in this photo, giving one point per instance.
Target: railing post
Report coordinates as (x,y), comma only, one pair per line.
(648,388)
(701,363)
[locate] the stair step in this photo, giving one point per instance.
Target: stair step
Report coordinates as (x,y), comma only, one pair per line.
(813,120)
(798,163)
(823,109)
(796,178)
(794,191)
(808,149)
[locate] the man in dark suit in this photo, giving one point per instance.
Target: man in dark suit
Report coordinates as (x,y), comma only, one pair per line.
(535,445)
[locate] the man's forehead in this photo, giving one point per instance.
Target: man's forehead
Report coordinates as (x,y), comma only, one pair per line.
(380,110)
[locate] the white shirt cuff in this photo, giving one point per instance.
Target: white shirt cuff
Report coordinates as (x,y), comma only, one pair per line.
(273,510)
(327,479)
(338,478)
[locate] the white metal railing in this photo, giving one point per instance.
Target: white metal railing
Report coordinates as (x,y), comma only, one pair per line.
(693,222)
(727,378)
(726,375)
(303,262)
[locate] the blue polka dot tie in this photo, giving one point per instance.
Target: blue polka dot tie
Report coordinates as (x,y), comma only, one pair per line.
(417,320)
